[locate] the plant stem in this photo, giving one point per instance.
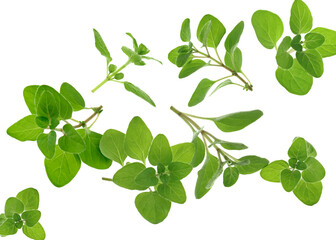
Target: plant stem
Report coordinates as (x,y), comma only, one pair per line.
(81,124)
(107,179)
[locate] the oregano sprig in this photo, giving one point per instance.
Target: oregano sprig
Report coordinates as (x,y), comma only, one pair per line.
(210,32)
(295,74)
(114,74)
(21,212)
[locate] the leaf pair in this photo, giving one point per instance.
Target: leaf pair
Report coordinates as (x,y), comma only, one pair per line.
(22,212)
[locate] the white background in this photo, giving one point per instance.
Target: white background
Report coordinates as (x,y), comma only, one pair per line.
(49,42)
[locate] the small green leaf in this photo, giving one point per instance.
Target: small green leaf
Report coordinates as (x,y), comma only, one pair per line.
(47,106)
(138,92)
(30,199)
(29,97)
(311,61)
(230,176)
(301,165)
(222,84)
(313,40)
(13,205)
(138,139)
(229,145)
(42,122)
(272,171)
(160,151)
(296,43)
(179,170)
(73,96)
(289,179)
(191,67)
(314,172)
(31,217)
(25,129)
(268,27)
(112,68)
(71,142)
(125,176)
(234,60)
(216,31)
(236,121)
(119,76)
(112,146)
(205,33)
(308,193)
(292,162)
(100,45)
(255,164)
(47,144)
(199,152)
(301,20)
(185,30)
(8,228)
(175,54)
(37,232)
(92,155)
(298,149)
(143,50)
(295,80)
(284,59)
(183,152)
(147,177)
(328,48)
(173,190)
(152,206)
(183,58)
(205,175)
(233,38)
(62,168)
(199,94)
(135,44)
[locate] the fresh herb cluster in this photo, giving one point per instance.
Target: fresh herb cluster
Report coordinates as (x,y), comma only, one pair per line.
(21,212)
(210,32)
(309,45)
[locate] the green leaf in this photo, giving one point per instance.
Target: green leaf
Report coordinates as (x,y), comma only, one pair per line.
(314,172)
(301,20)
(160,151)
(199,152)
(47,144)
(100,45)
(311,61)
(179,170)
(268,27)
(138,139)
(234,60)
(328,48)
(289,179)
(233,38)
(308,193)
(147,177)
(8,228)
(143,50)
(138,92)
(62,168)
(173,190)
(295,80)
(216,32)
(47,106)
(37,232)
(311,152)
(42,122)
(272,171)
(152,206)
(191,67)
(135,44)
(25,129)
(175,54)
(230,176)
(29,97)
(283,58)
(296,43)
(229,145)
(298,149)
(185,30)
(205,175)
(31,217)
(222,84)
(2,218)
(13,205)
(73,96)
(30,199)
(71,142)
(236,121)
(125,176)
(313,40)
(112,68)
(199,94)
(255,164)
(112,146)
(205,33)
(183,58)
(183,152)
(92,155)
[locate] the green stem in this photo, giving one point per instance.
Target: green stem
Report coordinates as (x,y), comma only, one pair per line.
(218,56)
(107,179)
(81,124)
(223,78)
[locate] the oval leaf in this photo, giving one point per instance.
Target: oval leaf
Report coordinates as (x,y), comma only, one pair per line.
(183,152)
(216,32)
(73,96)
(147,177)
(273,171)
(160,151)
(47,144)
(314,172)
(289,179)
(179,170)
(185,30)
(25,129)
(328,48)
(255,163)
(173,191)
(125,176)
(230,176)
(233,38)
(191,67)
(301,20)
(311,61)
(111,146)
(30,198)
(138,92)
(71,141)
(308,193)
(313,40)
(37,232)
(201,90)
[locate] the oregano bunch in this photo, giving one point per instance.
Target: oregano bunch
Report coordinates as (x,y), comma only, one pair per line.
(302,173)
(310,46)
(114,74)
(210,32)
(21,212)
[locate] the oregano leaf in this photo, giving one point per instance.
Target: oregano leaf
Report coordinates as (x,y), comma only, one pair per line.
(111,146)
(25,129)
(138,92)
(47,144)
(301,20)
(100,45)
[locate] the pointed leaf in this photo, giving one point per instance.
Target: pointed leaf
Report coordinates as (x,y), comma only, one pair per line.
(298,149)
(230,176)
(185,30)
(202,89)
(179,170)
(233,38)
(135,44)
(147,177)
(71,142)
(73,96)
(25,129)
(125,176)
(47,106)
(273,171)
(183,152)
(175,53)
(199,152)
(311,61)
(191,67)
(216,32)
(255,164)
(112,146)
(234,60)
(173,190)
(100,45)
(301,20)
(138,92)
(289,179)
(47,144)
(314,172)
(222,84)
(229,145)
(160,151)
